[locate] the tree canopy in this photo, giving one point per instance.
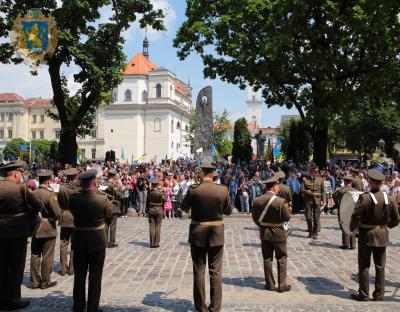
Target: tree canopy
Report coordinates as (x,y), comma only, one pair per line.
(89,43)
(241,150)
(296,141)
(320,57)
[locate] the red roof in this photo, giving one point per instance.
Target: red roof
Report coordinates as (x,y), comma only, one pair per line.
(139,65)
(252,126)
(38,102)
(10,97)
(182,88)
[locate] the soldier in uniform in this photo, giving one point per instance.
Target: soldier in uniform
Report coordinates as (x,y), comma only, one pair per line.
(154,210)
(284,190)
(357,183)
(348,241)
(44,241)
(314,195)
(208,203)
(67,221)
(115,196)
(90,208)
(16,201)
(269,213)
(374,213)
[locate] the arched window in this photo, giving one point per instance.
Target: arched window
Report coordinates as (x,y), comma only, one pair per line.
(144,96)
(170,90)
(128,95)
(158,90)
(157,124)
(178,125)
(172,126)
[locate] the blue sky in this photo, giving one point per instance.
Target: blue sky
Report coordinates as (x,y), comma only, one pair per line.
(163,54)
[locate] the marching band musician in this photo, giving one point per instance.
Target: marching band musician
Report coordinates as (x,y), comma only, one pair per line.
(374,213)
(348,241)
(269,213)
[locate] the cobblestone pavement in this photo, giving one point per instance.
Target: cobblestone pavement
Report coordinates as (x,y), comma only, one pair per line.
(137,278)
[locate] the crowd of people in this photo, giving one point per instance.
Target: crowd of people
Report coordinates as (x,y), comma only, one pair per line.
(160,191)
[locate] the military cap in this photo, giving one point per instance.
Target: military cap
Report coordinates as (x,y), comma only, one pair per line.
(14,166)
(112,173)
(207,165)
(71,172)
(314,168)
(280,175)
(88,175)
(355,170)
(348,178)
(155,181)
(45,174)
(271,181)
(376,175)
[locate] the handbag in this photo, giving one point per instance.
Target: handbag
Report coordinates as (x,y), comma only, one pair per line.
(34,219)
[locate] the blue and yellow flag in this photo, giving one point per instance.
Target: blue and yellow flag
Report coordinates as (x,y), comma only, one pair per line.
(214,153)
(122,154)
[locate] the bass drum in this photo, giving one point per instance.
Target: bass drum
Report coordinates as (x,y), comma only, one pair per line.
(346,209)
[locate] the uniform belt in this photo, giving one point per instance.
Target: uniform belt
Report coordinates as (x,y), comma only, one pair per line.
(373,226)
(272,225)
(65,209)
(49,219)
(87,228)
(11,215)
(205,223)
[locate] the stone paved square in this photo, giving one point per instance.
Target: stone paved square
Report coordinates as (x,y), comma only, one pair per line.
(137,278)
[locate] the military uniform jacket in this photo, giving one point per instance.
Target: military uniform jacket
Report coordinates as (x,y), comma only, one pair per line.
(285,192)
(367,213)
(115,194)
(16,199)
(357,184)
(207,202)
(278,212)
(50,213)
(66,219)
(155,202)
(315,186)
(89,209)
(337,197)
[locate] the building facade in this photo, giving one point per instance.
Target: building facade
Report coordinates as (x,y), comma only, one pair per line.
(148,117)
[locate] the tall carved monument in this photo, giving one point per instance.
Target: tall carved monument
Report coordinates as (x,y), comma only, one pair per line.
(203,134)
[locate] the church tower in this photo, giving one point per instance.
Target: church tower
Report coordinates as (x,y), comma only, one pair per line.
(146,46)
(254,104)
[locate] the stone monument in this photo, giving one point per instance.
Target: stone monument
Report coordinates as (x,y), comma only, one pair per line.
(203,134)
(260,138)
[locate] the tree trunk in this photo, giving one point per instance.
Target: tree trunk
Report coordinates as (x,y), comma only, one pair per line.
(68,147)
(320,153)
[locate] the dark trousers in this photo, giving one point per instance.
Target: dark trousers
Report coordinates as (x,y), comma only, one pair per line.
(155,221)
(84,262)
(12,265)
(312,212)
(349,240)
(132,198)
(111,228)
(42,258)
(65,238)
(280,249)
(199,258)
(124,206)
(364,263)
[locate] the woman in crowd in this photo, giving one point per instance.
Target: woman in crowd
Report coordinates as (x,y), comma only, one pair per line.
(243,192)
(142,187)
(167,201)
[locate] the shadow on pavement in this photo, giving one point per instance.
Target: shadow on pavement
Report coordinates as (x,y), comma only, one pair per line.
(326,245)
(258,245)
(324,286)
(184,244)
(250,228)
(251,282)
(157,300)
(142,244)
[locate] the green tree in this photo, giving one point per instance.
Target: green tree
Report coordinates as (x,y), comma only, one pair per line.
(12,149)
(222,125)
(241,149)
(42,150)
(53,151)
(296,141)
(94,46)
(320,57)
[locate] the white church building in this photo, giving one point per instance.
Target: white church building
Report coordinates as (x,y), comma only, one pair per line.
(148,118)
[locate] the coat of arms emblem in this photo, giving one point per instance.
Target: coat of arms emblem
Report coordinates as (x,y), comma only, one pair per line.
(34,35)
